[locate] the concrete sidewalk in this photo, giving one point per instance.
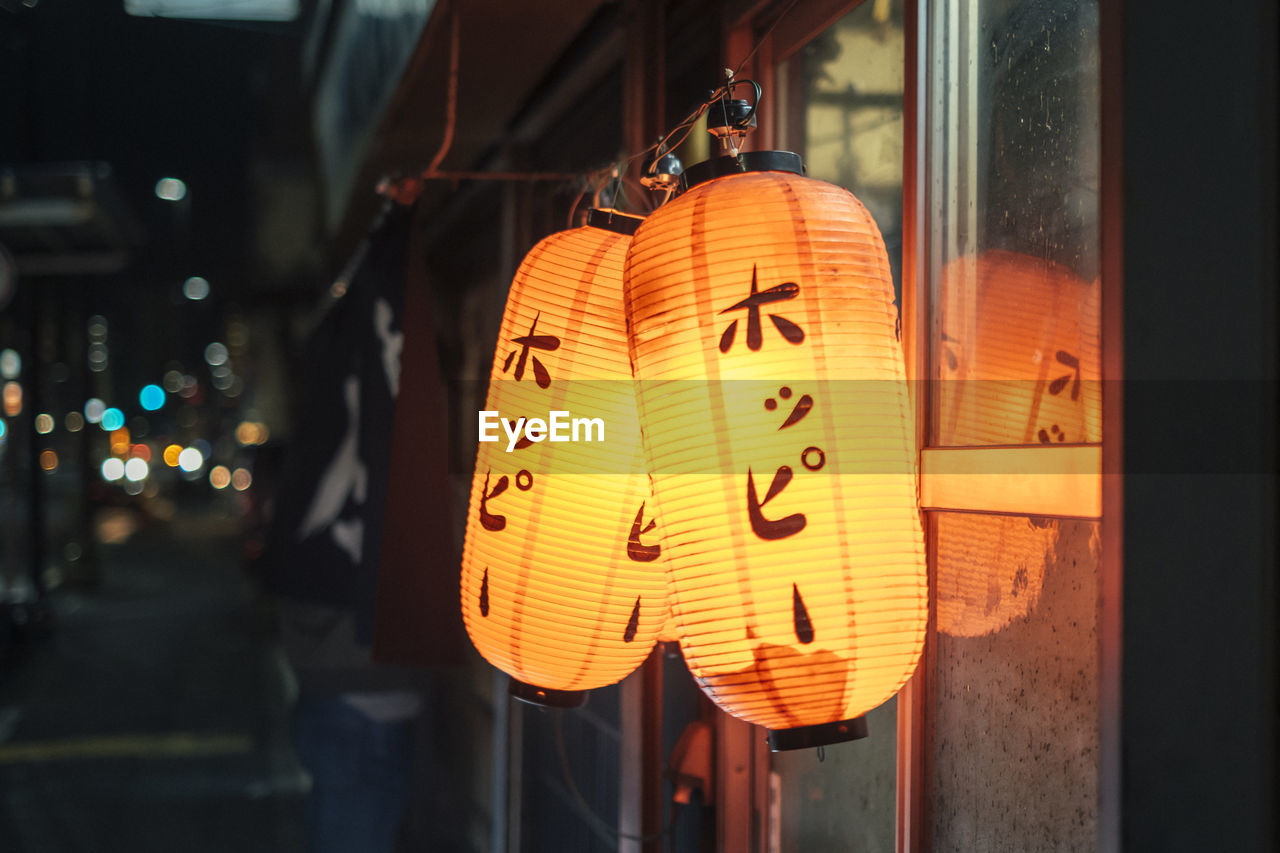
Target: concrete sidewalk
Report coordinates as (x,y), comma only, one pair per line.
(152,718)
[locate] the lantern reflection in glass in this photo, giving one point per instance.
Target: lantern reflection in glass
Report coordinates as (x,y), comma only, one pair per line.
(1018,351)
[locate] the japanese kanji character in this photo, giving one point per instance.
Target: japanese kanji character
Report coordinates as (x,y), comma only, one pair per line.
(635,550)
(547,343)
(767,528)
(780,293)
(802,407)
(1067,360)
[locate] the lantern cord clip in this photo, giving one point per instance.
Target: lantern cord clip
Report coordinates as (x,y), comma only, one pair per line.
(734,115)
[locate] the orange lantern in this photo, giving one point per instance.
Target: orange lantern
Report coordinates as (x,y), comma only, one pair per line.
(780,441)
(1018,350)
(562,584)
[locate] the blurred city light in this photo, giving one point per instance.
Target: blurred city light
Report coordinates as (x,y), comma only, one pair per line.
(190,459)
(112,419)
(195,288)
(151,397)
(243,10)
(219,477)
(4,429)
(48,460)
(241,479)
(112,469)
(237,335)
(120,442)
(97,357)
(173,381)
(215,354)
(12,399)
(44,424)
(252,432)
(136,469)
(93,409)
(171,454)
(74,421)
(171,189)
(140,451)
(10,364)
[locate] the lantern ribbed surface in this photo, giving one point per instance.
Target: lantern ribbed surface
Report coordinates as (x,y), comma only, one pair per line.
(780,441)
(562,583)
(1019,356)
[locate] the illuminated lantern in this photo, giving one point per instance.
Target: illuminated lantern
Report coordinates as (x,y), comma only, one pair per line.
(780,440)
(562,583)
(1018,351)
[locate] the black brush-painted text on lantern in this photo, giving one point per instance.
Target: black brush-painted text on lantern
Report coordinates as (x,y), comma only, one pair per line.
(755,337)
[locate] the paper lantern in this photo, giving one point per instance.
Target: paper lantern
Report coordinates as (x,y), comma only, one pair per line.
(780,440)
(1018,353)
(562,581)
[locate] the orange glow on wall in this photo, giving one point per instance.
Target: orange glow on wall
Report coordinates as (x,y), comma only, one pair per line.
(562,581)
(780,438)
(1018,353)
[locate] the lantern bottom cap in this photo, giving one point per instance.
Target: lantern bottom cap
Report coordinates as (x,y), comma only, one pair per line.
(803,737)
(547,697)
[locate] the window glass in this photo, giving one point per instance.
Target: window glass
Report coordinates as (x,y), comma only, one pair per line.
(1015,721)
(1011,136)
(1012,237)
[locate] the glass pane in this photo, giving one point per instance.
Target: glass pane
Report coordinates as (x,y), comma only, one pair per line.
(1011,237)
(843,799)
(840,103)
(1015,727)
(1013,158)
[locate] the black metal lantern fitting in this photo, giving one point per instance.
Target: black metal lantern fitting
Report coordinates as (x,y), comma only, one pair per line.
(730,120)
(662,172)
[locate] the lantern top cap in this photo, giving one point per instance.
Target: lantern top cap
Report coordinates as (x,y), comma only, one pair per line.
(748,161)
(613,220)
